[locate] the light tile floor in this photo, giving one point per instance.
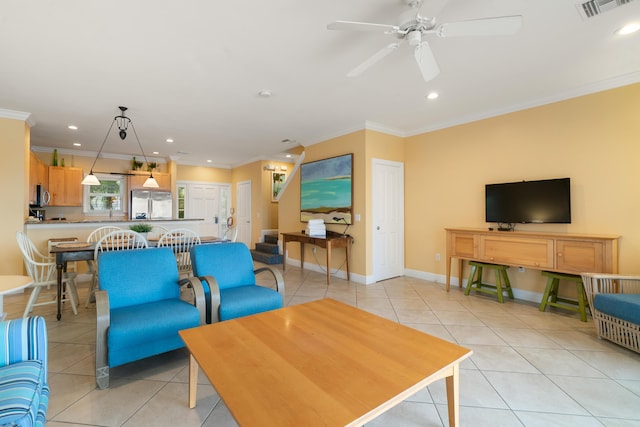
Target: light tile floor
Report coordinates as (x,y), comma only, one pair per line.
(528,369)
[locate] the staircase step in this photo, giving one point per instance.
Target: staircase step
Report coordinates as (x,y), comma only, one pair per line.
(271,238)
(269,248)
(266,258)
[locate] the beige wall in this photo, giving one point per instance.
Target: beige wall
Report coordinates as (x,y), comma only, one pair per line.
(14,174)
(203,174)
(591,139)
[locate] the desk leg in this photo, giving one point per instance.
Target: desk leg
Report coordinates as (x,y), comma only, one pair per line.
(284,253)
(328,262)
(460,266)
(59,268)
(448,267)
(346,250)
(453,393)
(301,255)
(193,381)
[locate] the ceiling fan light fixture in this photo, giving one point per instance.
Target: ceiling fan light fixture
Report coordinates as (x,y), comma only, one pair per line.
(414,37)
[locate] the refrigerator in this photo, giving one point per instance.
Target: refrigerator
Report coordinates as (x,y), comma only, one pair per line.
(147,204)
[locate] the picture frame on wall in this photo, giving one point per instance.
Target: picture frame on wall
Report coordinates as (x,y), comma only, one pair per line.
(326,190)
(277,181)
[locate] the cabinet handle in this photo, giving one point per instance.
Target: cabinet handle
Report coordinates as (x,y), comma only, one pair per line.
(559,254)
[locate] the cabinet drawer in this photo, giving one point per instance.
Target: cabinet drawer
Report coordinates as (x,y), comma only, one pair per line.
(525,252)
(580,256)
(463,245)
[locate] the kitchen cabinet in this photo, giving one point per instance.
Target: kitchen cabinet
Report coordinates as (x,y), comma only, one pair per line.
(137,179)
(38,174)
(560,252)
(65,186)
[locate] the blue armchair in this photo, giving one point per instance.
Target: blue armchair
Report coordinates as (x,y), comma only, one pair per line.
(139,309)
(229,281)
(24,391)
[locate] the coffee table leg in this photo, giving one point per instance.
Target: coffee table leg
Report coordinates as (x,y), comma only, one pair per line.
(193,381)
(453,394)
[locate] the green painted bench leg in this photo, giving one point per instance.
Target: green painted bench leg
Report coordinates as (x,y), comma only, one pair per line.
(547,291)
(499,286)
(505,278)
(470,281)
(581,299)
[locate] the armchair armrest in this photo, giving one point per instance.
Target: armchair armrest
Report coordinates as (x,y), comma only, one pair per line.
(214,297)
(276,275)
(103,321)
(611,283)
(198,296)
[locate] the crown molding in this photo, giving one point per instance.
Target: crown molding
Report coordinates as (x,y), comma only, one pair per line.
(18,115)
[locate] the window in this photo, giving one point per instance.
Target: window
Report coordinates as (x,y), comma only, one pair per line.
(105,199)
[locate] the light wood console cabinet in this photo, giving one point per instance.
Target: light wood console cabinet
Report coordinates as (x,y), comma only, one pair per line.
(561,252)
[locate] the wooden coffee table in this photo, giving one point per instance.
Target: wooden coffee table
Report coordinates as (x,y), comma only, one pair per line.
(321,363)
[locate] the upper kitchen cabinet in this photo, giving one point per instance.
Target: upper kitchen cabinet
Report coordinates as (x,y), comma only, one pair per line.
(38,174)
(65,186)
(137,179)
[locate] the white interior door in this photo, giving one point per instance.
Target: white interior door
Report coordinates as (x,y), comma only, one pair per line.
(203,203)
(243,219)
(388,219)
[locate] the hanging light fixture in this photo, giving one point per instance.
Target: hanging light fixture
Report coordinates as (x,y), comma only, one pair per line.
(123,123)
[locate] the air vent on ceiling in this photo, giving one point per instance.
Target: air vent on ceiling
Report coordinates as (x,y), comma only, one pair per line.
(596,7)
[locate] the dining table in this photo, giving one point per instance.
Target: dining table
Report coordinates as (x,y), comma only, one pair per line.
(68,252)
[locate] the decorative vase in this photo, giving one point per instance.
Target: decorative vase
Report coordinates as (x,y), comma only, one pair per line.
(55,157)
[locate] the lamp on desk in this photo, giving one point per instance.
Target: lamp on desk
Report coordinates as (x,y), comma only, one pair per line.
(123,123)
(338,219)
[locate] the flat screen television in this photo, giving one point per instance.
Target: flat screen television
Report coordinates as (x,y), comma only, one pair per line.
(544,201)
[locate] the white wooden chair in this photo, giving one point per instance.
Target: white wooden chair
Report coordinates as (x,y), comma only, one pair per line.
(181,240)
(42,270)
(231,234)
(96,235)
(115,241)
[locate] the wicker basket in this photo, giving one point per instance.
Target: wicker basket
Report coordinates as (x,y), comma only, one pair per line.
(619,331)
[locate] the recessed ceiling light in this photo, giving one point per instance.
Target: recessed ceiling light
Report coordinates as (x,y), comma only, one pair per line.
(288,141)
(432,95)
(169,140)
(265,94)
(628,29)
(156,152)
(209,161)
(77,144)
(73,127)
(288,156)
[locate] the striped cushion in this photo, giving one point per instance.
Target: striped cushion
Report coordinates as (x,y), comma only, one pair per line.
(21,388)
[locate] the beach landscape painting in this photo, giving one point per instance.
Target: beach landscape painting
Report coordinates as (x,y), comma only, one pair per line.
(326,189)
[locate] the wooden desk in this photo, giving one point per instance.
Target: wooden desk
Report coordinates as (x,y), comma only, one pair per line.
(560,252)
(323,363)
(333,240)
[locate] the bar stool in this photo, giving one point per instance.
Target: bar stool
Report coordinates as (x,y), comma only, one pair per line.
(551,297)
(502,280)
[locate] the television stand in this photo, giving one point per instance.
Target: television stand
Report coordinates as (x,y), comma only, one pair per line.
(558,252)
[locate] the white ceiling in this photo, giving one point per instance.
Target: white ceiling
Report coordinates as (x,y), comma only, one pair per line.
(191,70)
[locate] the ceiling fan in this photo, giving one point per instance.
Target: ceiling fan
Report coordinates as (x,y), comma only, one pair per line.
(413,29)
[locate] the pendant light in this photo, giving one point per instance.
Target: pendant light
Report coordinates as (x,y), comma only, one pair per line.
(123,123)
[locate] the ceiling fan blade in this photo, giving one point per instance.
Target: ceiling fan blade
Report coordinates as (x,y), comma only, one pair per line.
(426,61)
(498,26)
(362,26)
(373,59)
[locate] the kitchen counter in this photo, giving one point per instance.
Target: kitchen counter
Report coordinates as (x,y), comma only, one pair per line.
(106,220)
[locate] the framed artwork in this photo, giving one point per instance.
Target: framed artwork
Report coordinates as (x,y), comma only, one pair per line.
(277,179)
(326,190)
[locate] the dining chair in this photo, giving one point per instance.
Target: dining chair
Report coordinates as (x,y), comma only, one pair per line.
(116,240)
(158,231)
(181,240)
(96,235)
(42,269)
